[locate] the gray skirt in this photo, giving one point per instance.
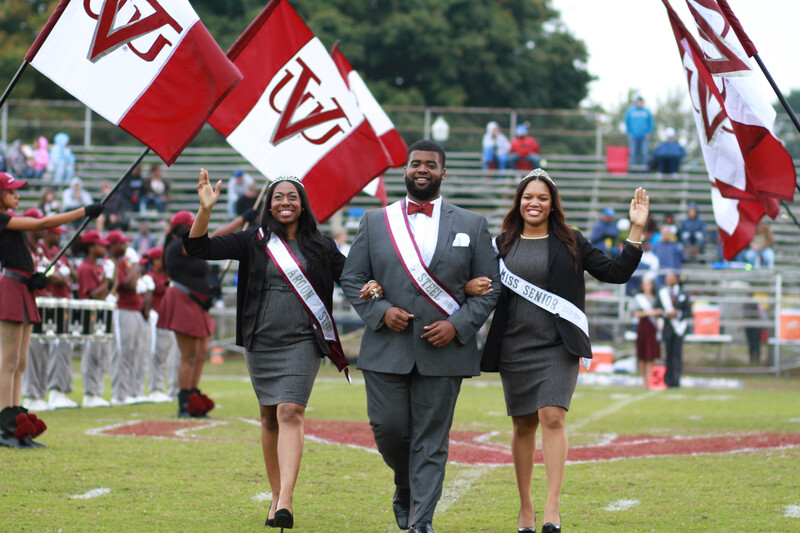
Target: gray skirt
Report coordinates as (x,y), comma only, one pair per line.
(284,374)
(539,378)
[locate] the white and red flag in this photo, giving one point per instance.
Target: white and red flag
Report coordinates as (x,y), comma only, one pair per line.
(293,114)
(394,145)
(738,153)
(148,66)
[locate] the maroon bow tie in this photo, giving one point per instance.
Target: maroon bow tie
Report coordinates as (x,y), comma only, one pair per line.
(425,209)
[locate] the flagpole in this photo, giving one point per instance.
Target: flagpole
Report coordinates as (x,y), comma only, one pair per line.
(13,82)
(103,202)
(786,206)
(244,227)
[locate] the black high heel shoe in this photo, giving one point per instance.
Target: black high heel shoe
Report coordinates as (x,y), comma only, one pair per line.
(550,527)
(270,521)
(283,519)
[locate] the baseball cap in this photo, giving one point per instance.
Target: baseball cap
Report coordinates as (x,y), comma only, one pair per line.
(692,205)
(116,236)
(608,211)
(238,172)
(33,213)
(93,237)
(58,229)
(669,133)
(182,217)
(155,253)
(7,181)
(522,130)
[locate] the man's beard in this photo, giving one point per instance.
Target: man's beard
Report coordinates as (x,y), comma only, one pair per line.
(428,193)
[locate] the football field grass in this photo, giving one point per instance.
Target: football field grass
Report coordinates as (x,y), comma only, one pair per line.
(640,460)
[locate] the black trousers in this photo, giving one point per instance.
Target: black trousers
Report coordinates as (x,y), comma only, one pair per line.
(673,345)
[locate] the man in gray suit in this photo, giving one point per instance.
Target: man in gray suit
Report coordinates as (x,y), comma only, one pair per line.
(419,341)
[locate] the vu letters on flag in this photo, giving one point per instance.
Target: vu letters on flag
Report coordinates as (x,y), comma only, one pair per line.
(150,66)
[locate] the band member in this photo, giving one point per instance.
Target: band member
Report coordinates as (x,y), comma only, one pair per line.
(287,269)
(18,311)
(419,341)
(164,346)
(539,330)
(34,380)
(95,280)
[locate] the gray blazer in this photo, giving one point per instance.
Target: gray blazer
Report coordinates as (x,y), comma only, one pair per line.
(372,256)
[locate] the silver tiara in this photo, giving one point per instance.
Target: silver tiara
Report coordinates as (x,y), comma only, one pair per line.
(539,173)
(293,179)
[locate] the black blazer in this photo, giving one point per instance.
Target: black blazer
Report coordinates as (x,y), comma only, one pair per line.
(250,251)
(564,280)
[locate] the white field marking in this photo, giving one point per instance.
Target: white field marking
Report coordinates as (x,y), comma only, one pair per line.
(695,417)
(253,421)
(794,420)
(718,397)
(262,497)
(94,493)
(621,505)
(791,511)
(674,396)
(611,409)
(496,413)
(620,396)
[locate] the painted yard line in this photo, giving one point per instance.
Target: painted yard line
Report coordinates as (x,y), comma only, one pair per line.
(262,497)
(94,493)
(791,511)
(611,409)
(621,505)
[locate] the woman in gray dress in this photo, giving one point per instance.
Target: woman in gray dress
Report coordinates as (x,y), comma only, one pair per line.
(536,350)
(283,345)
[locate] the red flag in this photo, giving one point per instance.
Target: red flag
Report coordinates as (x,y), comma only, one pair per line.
(293,115)
(769,170)
(377,117)
(149,67)
(736,218)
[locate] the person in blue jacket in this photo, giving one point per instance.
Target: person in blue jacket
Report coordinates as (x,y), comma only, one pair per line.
(667,156)
(639,127)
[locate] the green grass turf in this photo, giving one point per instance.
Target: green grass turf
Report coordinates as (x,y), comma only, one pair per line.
(211,480)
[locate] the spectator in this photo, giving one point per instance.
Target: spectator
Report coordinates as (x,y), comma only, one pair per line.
(667,156)
(115,214)
(755,311)
(247,200)
(48,204)
(639,127)
(156,190)
(760,253)
(16,160)
(604,232)
(144,240)
(648,266)
(669,222)
(523,147)
(495,148)
(237,187)
(132,189)
(40,158)
(692,233)
(62,160)
(652,232)
(669,251)
(74,196)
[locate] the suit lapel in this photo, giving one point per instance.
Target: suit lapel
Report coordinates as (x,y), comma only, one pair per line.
(445,225)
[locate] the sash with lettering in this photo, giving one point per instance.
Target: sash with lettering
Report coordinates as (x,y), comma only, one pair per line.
(546,300)
(405,246)
(292,271)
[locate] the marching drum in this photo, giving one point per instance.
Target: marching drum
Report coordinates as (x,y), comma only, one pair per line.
(55,318)
(90,320)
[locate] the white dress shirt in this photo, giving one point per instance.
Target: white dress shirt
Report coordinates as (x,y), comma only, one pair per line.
(425,229)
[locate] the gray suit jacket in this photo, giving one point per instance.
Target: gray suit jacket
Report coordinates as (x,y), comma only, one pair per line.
(372,256)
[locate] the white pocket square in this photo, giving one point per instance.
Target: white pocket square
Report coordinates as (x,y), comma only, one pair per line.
(461,240)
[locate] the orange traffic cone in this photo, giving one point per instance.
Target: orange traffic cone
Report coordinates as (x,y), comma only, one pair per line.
(216,356)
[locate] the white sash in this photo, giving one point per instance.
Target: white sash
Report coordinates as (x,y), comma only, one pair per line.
(292,271)
(406,248)
(546,300)
(679,324)
(644,303)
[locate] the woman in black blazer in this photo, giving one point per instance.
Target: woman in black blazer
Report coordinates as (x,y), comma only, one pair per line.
(283,345)
(535,350)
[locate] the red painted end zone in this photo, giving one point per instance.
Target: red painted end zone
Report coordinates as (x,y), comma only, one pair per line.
(472,447)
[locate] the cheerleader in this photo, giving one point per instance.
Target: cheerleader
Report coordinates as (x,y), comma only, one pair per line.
(164,347)
(18,310)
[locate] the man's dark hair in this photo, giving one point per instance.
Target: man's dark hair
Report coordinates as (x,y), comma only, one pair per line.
(426,146)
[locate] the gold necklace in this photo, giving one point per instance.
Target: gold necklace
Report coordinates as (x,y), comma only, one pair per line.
(533,238)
